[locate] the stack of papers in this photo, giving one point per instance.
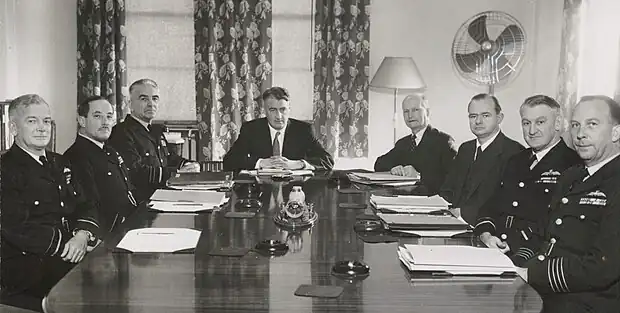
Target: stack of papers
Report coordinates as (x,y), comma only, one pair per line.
(159,240)
(187,201)
(409,204)
(382,179)
(442,261)
(275,171)
(201,181)
(425,225)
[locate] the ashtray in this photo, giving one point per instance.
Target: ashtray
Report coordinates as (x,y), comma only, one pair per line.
(350,269)
(272,247)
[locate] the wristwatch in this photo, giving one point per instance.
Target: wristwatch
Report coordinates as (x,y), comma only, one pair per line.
(92,239)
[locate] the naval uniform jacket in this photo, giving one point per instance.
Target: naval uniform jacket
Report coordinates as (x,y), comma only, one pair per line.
(578,268)
(518,210)
(105,179)
(150,159)
(41,209)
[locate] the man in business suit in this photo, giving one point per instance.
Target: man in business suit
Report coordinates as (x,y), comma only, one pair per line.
(518,211)
(102,171)
(427,150)
(479,163)
(576,269)
(277,141)
(143,146)
(48,224)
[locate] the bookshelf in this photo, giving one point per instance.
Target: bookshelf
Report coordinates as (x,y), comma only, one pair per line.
(6,139)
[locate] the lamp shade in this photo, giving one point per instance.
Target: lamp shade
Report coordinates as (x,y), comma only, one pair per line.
(398,73)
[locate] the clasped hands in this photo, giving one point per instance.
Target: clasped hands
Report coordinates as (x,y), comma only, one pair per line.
(280,162)
(190,167)
(407,170)
(77,247)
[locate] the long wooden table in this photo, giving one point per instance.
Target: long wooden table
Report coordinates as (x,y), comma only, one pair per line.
(108,281)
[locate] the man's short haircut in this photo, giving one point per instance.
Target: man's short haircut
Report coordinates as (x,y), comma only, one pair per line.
(614,107)
(278,93)
(143,81)
(486,96)
(541,100)
(84,106)
(25,101)
(419,96)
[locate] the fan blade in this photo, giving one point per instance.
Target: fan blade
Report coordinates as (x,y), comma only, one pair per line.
(470,62)
(478,29)
(509,39)
(501,68)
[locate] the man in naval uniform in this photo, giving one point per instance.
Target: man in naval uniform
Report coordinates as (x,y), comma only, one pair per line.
(577,269)
(47,223)
(519,208)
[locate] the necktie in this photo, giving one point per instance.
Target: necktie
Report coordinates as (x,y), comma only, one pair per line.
(44,161)
(413,142)
(533,160)
(478,152)
(149,128)
(276,146)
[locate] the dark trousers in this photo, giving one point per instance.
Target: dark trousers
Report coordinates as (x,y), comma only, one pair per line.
(27,279)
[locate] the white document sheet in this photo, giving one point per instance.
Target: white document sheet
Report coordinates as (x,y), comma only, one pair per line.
(381,177)
(271,172)
(433,233)
(185,207)
(159,240)
(196,196)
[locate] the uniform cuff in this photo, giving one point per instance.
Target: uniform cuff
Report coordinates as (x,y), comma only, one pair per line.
(485,225)
(547,275)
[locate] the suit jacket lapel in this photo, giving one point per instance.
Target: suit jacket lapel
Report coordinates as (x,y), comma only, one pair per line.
(139,128)
(24,159)
(603,173)
(490,156)
(286,145)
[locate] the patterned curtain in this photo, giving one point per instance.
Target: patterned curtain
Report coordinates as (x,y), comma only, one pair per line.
(569,55)
(233,68)
(341,71)
(101,52)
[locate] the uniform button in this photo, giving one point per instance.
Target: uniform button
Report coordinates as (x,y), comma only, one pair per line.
(565,200)
(546,190)
(515,203)
(75,193)
(59,187)
(503,236)
(521,184)
(125,178)
(558,221)
(582,217)
(147,154)
(541,257)
(109,173)
(36,203)
(62,204)
(552,240)
(108,153)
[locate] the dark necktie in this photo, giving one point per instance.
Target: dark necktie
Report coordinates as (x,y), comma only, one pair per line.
(150,129)
(276,146)
(44,161)
(532,160)
(413,142)
(478,153)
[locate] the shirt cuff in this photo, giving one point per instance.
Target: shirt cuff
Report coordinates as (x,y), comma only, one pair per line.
(307,166)
(257,163)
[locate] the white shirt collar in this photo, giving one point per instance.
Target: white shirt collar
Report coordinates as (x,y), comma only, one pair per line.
(145,124)
(99,144)
(541,154)
(273,132)
(486,144)
(419,134)
(593,169)
(34,156)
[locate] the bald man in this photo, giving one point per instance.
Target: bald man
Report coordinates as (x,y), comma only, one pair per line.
(427,151)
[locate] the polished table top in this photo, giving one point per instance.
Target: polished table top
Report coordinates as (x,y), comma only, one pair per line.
(110,281)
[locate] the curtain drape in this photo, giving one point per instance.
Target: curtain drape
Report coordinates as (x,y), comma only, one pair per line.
(233,68)
(101,53)
(341,72)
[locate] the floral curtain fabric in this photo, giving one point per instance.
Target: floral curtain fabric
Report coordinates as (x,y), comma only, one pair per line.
(101,52)
(569,55)
(341,72)
(233,68)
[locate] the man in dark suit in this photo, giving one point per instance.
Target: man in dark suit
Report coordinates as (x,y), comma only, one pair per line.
(102,171)
(277,141)
(576,268)
(518,211)
(427,151)
(479,163)
(144,148)
(48,224)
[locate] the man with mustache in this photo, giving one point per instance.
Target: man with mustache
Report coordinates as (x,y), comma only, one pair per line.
(518,211)
(48,223)
(102,171)
(151,160)
(427,151)
(577,268)
(277,141)
(479,163)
